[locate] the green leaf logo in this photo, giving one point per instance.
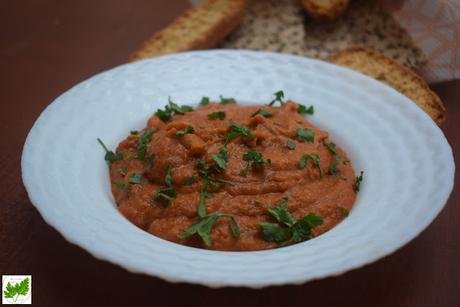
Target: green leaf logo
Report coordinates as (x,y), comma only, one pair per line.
(20,288)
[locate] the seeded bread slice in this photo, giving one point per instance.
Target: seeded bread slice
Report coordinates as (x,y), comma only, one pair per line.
(396,75)
(325,9)
(200,27)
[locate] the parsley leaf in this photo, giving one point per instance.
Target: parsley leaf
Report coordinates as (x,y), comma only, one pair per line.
(262,112)
(301,109)
(358,181)
(135,178)
(189,180)
(314,158)
(217,115)
(287,230)
(290,144)
(237,130)
(168,178)
(256,159)
(165,195)
(305,134)
(222,158)
(20,288)
(333,170)
(142,142)
(228,100)
(122,171)
(204,101)
(278,97)
(186,130)
(332,148)
(110,156)
(172,109)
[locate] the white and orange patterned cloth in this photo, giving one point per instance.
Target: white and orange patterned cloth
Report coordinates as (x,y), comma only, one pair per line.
(435,28)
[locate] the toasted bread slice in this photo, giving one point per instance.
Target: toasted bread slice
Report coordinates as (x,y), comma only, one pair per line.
(200,27)
(325,9)
(396,75)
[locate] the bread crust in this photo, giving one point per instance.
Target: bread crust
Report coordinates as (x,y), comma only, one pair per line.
(200,27)
(325,10)
(394,74)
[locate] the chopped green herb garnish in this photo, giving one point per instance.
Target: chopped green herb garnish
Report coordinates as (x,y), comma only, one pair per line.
(287,230)
(134,132)
(279,96)
(237,130)
(165,195)
(204,101)
(262,112)
(228,100)
(189,180)
(358,181)
(332,148)
(301,109)
(217,115)
(345,212)
(172,109)
(186,130)
(314,158)
(333,170)
(221,159)
(122,171)
(110,156)
(142,142)
(290,144)
(168,177)
(120,185)
(148,162)
(256,159)
(135,178)
(305,134)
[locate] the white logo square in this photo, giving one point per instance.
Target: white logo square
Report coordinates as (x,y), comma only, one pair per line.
(17,289)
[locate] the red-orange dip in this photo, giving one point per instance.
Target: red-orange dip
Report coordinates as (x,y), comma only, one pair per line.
(231,177)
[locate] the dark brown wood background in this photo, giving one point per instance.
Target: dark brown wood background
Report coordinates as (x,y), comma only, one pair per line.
(46,46)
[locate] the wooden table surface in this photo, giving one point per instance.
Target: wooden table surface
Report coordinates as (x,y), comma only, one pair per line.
(49,45)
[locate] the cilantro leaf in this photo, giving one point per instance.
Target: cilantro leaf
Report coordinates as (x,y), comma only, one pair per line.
(262,112)
(279,96)
(135,178)
(204,101)
(305,134)
(345,212)
(357,184)
(290,144)
(237,130)
(120,185)
(186,130)
(332,148)
(314,158)
(217,115)
(234,227)
(201,202)
(148,162)
(301,109)
(228,100)
(110,156)
(134,132)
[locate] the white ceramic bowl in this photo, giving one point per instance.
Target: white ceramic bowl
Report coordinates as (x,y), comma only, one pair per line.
(408,163)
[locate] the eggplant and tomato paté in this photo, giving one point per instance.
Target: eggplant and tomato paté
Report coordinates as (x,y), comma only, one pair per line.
(229,177)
